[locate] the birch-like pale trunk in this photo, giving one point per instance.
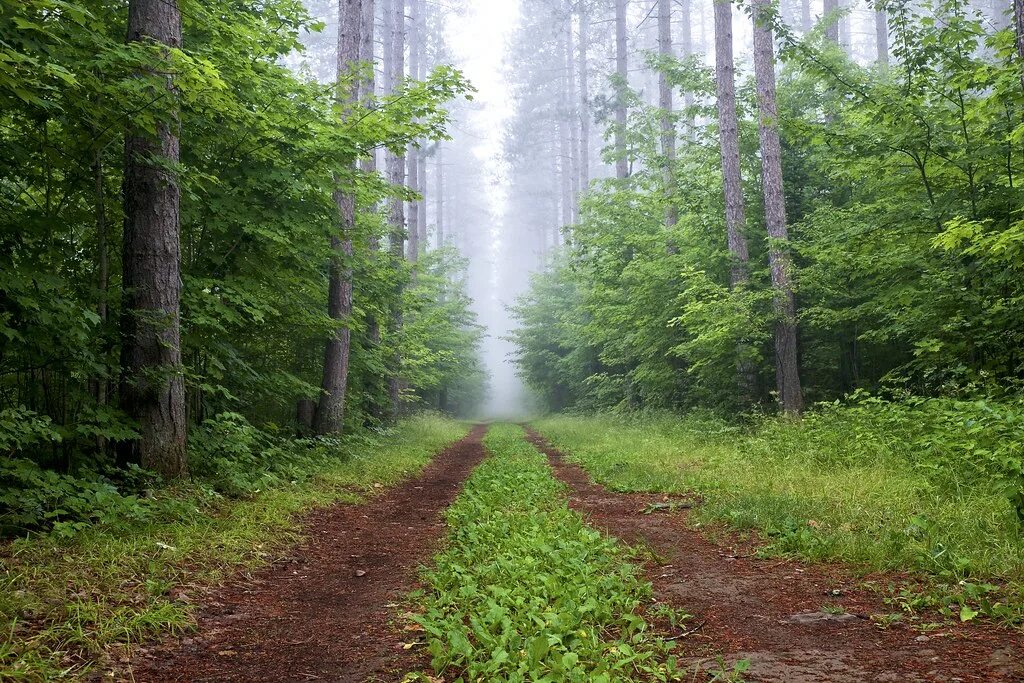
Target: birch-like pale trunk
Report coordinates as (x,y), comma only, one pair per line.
(668,129)
(421,158)
(395,165)
(1018,23)
(572,116)
(412,155)
(787,370)
(686,50)
(584,74)
(152,382)
(439,191)
(830,8)
(622,74)
(881,36)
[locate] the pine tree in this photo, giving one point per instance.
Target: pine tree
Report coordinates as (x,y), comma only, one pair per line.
(622,76)
(152,385)
(787,372)
(330,411)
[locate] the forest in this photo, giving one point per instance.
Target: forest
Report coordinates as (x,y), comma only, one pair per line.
(538,340)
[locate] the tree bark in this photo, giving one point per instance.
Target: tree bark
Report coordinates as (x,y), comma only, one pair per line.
(668,130)
(563,129)
(305,411)
(396,219)
(584,97)
(729,144)
(152,384)
(421,44)
(732,181)
(572,116)
(1018,22)
(787,372)
(686,50)
(622,74)
(805,16)
(330,413)
(881,36)
(439,191)
(830,10)
(412,157)
(844,28)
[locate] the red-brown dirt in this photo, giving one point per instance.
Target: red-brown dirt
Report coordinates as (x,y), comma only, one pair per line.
(329,611)
(770,611)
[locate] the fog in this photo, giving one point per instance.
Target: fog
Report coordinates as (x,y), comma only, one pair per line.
(533,138)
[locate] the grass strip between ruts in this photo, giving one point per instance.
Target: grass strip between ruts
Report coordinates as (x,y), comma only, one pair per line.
(525,590)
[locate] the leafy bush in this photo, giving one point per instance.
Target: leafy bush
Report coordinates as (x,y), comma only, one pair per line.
(32,498)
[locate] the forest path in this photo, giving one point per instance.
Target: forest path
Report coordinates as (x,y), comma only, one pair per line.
(326,612)
(793,623)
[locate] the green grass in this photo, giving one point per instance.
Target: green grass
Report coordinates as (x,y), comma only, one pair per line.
(830,488)
(525,590)
(69,606)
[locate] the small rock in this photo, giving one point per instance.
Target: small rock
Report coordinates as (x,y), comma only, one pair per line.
(1006,661)
(922,639)
(360,572)
(805,618)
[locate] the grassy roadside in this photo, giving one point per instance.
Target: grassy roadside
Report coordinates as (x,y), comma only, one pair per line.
(66,606)
(525,590)
(801,487)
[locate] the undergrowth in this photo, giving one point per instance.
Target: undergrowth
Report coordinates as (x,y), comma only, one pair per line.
(927,487)
(526,591)
(71,602)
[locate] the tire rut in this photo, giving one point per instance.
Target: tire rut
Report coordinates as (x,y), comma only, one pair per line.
(327,612)
(770,612)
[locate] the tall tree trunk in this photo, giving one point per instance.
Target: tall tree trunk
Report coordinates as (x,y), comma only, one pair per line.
(668,129)
(330,413)
(412,158)
(805,16)
(787,372)
(101,383)
(152,384)
(396,176)
(421,158)
(439,191)
(563,129)
(1018,22)
(572,116)
(686,50)
(830,11)
(729,144)
(844,28)
(881,36)
(584,73)
(732,182)
(388,53)
(622,74)
(368,91)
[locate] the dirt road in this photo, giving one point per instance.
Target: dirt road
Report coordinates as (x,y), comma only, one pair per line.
(327,612)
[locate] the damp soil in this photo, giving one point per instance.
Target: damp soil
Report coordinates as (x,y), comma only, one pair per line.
(332,610)
(793,622)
